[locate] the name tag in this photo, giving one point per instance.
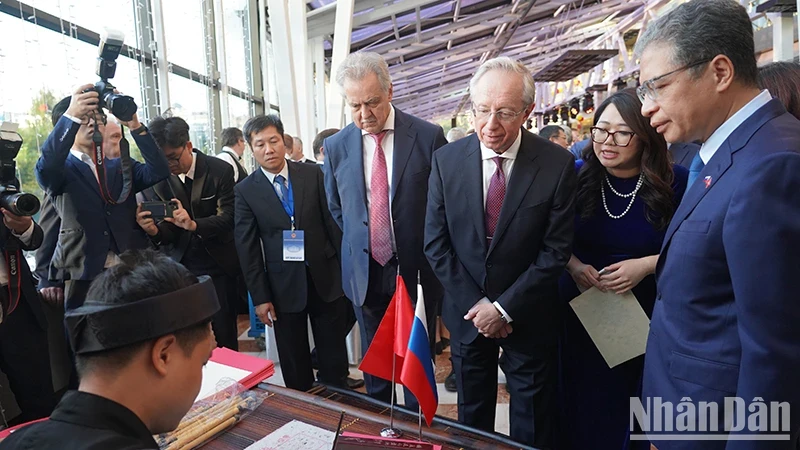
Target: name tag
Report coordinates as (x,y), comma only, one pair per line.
(293,246)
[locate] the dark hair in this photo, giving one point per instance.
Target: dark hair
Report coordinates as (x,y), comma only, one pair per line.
(656,191)
(550,131)
(172,132)
(141,274)
(230,136)
(699,30)
(59,109)
(259,123)
(782,79)
(321,136)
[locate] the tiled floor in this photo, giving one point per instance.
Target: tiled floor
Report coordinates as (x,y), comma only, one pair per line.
(447,400)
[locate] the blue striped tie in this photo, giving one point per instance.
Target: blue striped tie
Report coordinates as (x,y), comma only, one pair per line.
(694,170)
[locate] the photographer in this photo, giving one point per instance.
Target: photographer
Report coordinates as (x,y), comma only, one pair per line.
(94,229)
(24,356)
(199,233)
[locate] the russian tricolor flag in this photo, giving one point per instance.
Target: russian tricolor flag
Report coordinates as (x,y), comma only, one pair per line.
(417,371)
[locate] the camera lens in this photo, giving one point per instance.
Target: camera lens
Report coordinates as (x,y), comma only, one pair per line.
(122,106)
(20,204)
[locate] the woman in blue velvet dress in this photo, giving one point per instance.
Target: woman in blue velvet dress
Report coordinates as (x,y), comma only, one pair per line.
(627,193)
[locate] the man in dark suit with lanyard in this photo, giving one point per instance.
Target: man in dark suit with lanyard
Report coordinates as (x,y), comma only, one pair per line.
(199,234)
(287,243)
(376,179)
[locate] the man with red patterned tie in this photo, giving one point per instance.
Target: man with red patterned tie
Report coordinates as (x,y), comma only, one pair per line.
(376,179)
(498,235)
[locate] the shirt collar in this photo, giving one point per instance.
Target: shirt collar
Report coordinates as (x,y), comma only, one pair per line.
(89,410)
(389,125)
(721,134)
(271,176)
(232,152)
(511,153)
(190,173)
(83,157)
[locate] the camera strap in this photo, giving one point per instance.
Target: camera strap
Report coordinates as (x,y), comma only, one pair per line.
(98,158)
(13,256)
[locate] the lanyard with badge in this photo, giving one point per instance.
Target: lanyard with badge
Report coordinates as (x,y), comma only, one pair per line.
(293,243)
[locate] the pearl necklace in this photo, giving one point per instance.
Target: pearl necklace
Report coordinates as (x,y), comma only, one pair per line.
(632,196)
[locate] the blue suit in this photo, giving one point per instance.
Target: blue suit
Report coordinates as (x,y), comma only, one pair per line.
(725,321)
(90,227)
(414,143)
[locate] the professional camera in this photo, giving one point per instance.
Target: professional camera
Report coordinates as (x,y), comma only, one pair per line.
(122,106)
(11,198)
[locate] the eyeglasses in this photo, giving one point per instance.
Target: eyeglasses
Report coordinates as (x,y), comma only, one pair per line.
(176,159)
(502,115)
(620,138)
(648,89)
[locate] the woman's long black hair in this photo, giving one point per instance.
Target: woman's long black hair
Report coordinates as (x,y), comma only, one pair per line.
(656,191)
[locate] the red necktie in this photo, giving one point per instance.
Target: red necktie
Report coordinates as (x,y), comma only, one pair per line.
(495,196)
(380,234)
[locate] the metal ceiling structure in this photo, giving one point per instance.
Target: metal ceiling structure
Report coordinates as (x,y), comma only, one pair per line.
(434,46)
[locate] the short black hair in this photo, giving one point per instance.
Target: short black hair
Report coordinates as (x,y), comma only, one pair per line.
(170,132)
(550,131)
(59,109)
(141,274)
(230,136)
(262,122)
(320,139)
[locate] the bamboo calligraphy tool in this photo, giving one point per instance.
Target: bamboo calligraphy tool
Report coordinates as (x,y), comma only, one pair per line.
(338,430)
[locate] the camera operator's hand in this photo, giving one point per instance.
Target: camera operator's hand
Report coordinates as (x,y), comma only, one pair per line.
(145,221)
(133,123)
(18,224)
(53,295)
(181,218)
(83,103)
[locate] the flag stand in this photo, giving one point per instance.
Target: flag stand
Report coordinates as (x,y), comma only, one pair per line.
(419,417)
(390,431)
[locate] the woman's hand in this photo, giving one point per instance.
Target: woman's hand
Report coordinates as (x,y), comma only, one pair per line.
(625,275)
(585,276)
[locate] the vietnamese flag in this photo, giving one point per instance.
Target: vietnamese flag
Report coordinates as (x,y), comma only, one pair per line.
(391,337)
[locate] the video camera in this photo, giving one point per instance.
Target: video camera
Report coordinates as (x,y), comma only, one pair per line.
(11,198)
(122,106)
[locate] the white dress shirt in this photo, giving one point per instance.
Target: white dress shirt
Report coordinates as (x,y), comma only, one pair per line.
(112,259)
(368,147)
(489,168)
(227,155)
(189,173)
(26,238)
(721,134)
(271,177)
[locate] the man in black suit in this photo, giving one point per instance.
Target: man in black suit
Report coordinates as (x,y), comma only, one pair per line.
(498,234)
(682,154)
(24,356)
(200,237)
(282,217)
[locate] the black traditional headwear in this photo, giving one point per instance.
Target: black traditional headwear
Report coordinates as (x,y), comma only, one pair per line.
(95,326)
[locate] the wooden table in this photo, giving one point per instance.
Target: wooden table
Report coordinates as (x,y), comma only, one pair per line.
(322,407)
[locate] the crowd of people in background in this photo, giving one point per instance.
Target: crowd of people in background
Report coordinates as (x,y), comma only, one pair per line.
(683,193)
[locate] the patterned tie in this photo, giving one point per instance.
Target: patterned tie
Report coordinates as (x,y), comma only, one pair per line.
(694,170)
(380,234)
(280,183)
(495,196)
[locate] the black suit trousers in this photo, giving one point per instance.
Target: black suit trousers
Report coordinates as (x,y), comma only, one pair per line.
(25,359)
(224,321)
(327,324)
(531,376)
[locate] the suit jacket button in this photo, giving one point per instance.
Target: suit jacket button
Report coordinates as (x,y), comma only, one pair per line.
(489,265)
(366,251)
(105,233)
(108,213)
(366,224)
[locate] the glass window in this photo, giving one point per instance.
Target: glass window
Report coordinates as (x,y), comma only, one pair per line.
(236,38)
(238,111)
(189,100)
(184,32)
(94,14)
(272,80)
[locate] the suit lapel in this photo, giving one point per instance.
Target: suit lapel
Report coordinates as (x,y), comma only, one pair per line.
(86,172)
(355,164)
(171,188)
(271,202)
(472,182)
(404,137)
(199,180)
(522,176)
(720,162)
(298,189)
